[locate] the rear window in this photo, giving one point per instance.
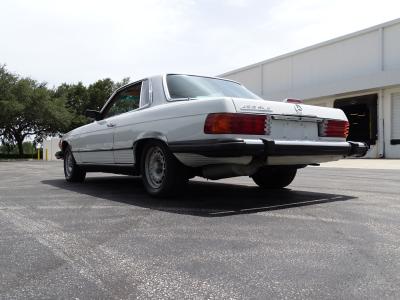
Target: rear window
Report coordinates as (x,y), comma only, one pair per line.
(195,87)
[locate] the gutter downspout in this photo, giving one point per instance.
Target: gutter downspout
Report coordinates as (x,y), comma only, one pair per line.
(381,131)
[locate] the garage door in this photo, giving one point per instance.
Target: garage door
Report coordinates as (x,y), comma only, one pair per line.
(395,138)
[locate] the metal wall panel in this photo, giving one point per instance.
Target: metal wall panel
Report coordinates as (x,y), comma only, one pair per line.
(277,76)
(391,47)
(341,60)
(251,78)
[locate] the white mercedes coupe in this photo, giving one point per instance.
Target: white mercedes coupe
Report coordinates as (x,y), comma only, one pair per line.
(172,127)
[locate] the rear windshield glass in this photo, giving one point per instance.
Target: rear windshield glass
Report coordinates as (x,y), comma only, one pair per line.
(187,86)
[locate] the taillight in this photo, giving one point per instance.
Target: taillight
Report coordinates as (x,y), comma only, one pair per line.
(232,123)
(334,128)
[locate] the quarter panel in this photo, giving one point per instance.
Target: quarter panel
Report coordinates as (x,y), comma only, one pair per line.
(181,120)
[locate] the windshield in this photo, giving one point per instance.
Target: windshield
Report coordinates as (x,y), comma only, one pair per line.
(188,86)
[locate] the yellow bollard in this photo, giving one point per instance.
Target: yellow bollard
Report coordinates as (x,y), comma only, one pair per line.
(38,153)
(47,154)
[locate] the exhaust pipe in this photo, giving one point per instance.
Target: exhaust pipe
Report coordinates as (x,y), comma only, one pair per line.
(231,170)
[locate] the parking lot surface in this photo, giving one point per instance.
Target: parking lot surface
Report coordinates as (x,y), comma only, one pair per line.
(334,233)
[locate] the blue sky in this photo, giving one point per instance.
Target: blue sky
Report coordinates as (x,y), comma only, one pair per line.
(83,40)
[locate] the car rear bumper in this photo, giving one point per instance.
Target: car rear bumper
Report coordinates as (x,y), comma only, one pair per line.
(259,147)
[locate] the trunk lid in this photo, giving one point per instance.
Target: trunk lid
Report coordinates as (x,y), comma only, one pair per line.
(288,109)
(289,121)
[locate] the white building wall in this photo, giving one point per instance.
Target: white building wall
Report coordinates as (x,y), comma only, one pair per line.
(51,146)
(391,47)
(251,78)
(337,61)
(277,77)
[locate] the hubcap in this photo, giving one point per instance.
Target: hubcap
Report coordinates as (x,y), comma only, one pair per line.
(69,164)
(155,167)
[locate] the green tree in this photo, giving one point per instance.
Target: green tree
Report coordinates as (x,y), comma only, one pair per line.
(121,83)
(75,97)
(101,90)
(29,148)
(29,108)
(79,98)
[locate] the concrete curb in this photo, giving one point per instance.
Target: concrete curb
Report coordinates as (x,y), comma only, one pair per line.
(383,164)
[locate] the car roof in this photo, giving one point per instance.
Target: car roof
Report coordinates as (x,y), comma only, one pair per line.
(160,76)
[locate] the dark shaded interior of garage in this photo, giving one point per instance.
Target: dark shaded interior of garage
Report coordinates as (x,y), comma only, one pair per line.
(361,112)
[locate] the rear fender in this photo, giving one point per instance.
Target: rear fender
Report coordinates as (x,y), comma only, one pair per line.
(150,135)
(140,141)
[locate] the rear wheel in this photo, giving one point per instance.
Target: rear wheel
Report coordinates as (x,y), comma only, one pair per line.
(72,172)
(274,177)
(162,174)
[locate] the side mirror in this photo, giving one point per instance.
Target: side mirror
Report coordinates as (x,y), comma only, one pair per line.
(93,114)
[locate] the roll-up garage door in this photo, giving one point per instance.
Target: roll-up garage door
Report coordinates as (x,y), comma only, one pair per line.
(395,136)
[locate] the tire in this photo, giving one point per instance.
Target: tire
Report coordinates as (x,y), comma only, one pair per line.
(162,174)
(274,177)
(72,172)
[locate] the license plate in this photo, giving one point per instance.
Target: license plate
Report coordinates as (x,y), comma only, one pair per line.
(294,130)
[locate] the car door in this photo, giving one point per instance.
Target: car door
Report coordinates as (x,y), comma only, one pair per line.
(125,130)
(96,140)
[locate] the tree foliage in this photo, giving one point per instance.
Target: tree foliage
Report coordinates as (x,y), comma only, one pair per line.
(78,98)
(30,109)
(27,108)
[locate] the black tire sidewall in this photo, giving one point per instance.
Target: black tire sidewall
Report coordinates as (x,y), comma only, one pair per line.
(68,177)
(77,175)
(274,178)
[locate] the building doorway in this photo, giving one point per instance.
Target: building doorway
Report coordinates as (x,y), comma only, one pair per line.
(361,111)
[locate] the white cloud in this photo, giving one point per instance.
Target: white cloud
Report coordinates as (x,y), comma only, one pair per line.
(73,40)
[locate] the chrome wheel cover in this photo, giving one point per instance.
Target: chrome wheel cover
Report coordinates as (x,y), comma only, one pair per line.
(68,164)
(155,167)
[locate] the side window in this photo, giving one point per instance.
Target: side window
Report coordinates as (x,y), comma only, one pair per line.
(144,95)
(126,100)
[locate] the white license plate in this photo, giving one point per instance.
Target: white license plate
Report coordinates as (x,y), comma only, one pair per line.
(294,130)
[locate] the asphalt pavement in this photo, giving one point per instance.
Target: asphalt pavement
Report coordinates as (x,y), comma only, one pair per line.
(333,234)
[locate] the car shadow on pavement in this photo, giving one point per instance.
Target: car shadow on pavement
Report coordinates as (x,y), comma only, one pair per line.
(205,199)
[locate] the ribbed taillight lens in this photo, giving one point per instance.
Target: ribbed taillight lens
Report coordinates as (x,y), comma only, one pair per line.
(232,123)
(334,128)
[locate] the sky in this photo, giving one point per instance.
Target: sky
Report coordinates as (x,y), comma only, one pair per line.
(58,41)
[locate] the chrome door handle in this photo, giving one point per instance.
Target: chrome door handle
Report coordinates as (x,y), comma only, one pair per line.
(110,125)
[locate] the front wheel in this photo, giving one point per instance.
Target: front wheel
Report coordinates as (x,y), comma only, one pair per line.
(274,177)
(162,173)
(72,172)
